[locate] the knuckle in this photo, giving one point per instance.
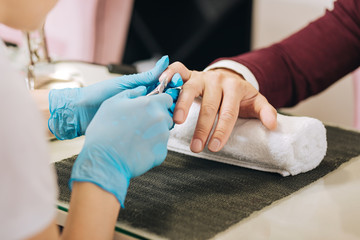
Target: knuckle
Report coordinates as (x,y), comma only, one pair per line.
(228,116)
(180,104)
(177,65)
(191,89)
(208,109)
(190,85)
(214,77)
(214,74)
(235,83)
(220,133)
(201,132)
(217,81)
(170,72)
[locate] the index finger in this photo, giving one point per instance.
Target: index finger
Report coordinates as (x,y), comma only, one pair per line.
(176,67)
(187,95)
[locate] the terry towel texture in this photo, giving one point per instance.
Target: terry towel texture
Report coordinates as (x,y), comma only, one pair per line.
(297,145)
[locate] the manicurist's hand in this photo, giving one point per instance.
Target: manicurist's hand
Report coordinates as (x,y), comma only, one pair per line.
(223,92)
(127,137)
(72,109)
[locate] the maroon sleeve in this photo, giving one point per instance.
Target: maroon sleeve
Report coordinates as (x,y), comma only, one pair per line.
(310,60)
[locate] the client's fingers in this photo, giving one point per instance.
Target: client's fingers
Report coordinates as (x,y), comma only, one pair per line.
(268,117)
(228,114)
(265,112)
(258,107)
(176,67)
(209,108)
(190,90)
(183,104)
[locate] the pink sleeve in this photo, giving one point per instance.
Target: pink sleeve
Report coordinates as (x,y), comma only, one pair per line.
(310,60)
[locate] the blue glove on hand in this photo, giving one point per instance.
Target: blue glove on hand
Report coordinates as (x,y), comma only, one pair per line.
(127,137)
(72,109)
(173,90)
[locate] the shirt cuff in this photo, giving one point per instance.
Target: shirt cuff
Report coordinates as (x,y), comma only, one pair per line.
(238,68)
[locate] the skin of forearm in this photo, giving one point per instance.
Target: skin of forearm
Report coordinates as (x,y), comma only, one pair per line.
(92,213)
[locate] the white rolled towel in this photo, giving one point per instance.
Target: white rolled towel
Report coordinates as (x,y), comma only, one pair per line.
(296,146)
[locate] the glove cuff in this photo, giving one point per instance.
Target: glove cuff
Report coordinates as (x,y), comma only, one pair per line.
(64,120)
(100,168)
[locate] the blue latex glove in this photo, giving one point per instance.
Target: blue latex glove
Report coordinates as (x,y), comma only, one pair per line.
(72,109)
(127,137)
(173,90)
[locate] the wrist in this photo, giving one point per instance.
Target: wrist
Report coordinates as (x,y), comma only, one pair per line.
(92,213)
(101,167)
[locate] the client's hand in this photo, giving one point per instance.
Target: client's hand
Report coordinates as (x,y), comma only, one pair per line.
(127,137)
(223,92)
(72,109)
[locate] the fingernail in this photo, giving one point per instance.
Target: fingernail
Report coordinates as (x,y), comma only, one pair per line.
(214,145)
(196,145)
(179,115)
(162,77)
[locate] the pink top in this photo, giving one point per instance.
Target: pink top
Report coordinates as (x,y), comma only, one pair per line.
(84,30)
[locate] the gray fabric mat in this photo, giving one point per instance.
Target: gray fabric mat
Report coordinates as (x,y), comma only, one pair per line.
(192,198)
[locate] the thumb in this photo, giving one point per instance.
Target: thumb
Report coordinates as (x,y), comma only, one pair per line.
(261,109)
(147,78)
(168,105)
(163,98)
(268,117)
(266,112)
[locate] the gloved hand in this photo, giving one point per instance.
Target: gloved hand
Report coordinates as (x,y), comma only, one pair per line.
(173,89)
(72,109)
(127,137)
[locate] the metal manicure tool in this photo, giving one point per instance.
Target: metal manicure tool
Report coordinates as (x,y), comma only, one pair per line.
(159,89)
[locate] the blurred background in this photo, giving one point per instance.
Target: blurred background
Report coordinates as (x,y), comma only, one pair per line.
(195,32)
